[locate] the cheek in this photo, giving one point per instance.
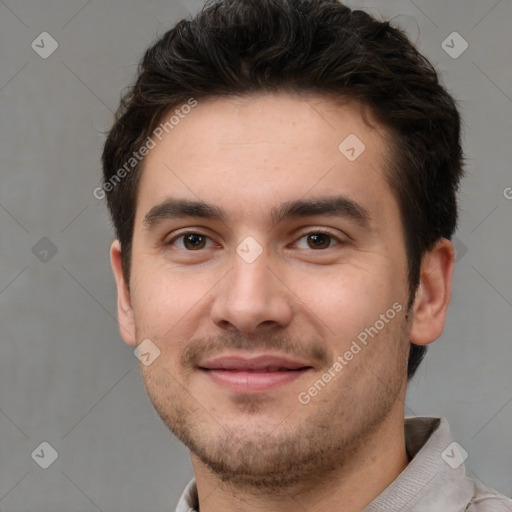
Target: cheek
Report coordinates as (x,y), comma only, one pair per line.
(161,302)
(347,299)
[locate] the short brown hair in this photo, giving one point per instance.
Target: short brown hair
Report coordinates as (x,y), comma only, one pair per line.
(238,47)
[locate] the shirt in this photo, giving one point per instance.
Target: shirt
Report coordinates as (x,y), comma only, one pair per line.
(434,481)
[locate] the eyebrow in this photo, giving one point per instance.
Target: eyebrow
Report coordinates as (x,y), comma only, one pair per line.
(333,206)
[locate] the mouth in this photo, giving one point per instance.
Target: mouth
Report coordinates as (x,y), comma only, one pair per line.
(253,375)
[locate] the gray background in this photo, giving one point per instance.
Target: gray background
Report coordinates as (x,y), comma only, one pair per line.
(67,378)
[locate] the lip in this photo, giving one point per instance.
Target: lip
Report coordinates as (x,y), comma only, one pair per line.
(251,375)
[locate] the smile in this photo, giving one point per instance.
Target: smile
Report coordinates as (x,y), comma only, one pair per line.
(253,375)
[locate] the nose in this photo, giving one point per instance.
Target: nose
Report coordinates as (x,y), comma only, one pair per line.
(251,298)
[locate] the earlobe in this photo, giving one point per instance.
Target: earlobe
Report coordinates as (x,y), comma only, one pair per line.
(124,307)
(433,294)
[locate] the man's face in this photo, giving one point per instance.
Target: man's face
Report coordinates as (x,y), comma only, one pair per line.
(251,310)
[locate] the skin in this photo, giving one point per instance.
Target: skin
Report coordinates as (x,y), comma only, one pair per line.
(268,451)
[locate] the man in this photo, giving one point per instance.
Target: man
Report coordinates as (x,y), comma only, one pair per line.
(282,179)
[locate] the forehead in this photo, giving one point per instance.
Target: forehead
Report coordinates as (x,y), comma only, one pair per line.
(258,151)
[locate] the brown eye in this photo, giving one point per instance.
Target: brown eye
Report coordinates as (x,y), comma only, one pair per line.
(190,241)
(319,240)
(194,241)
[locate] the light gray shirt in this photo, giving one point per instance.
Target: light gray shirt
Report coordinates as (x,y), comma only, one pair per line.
(434,480)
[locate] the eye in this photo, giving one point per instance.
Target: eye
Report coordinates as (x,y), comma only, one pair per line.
(191,241)
(194,241)
(318,240)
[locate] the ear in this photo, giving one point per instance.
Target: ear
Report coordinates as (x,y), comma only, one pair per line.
(124,307)
(433,294)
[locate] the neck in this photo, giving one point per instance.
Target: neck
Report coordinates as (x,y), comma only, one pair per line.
(349,488)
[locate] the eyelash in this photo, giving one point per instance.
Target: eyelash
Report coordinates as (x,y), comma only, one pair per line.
(314,232)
